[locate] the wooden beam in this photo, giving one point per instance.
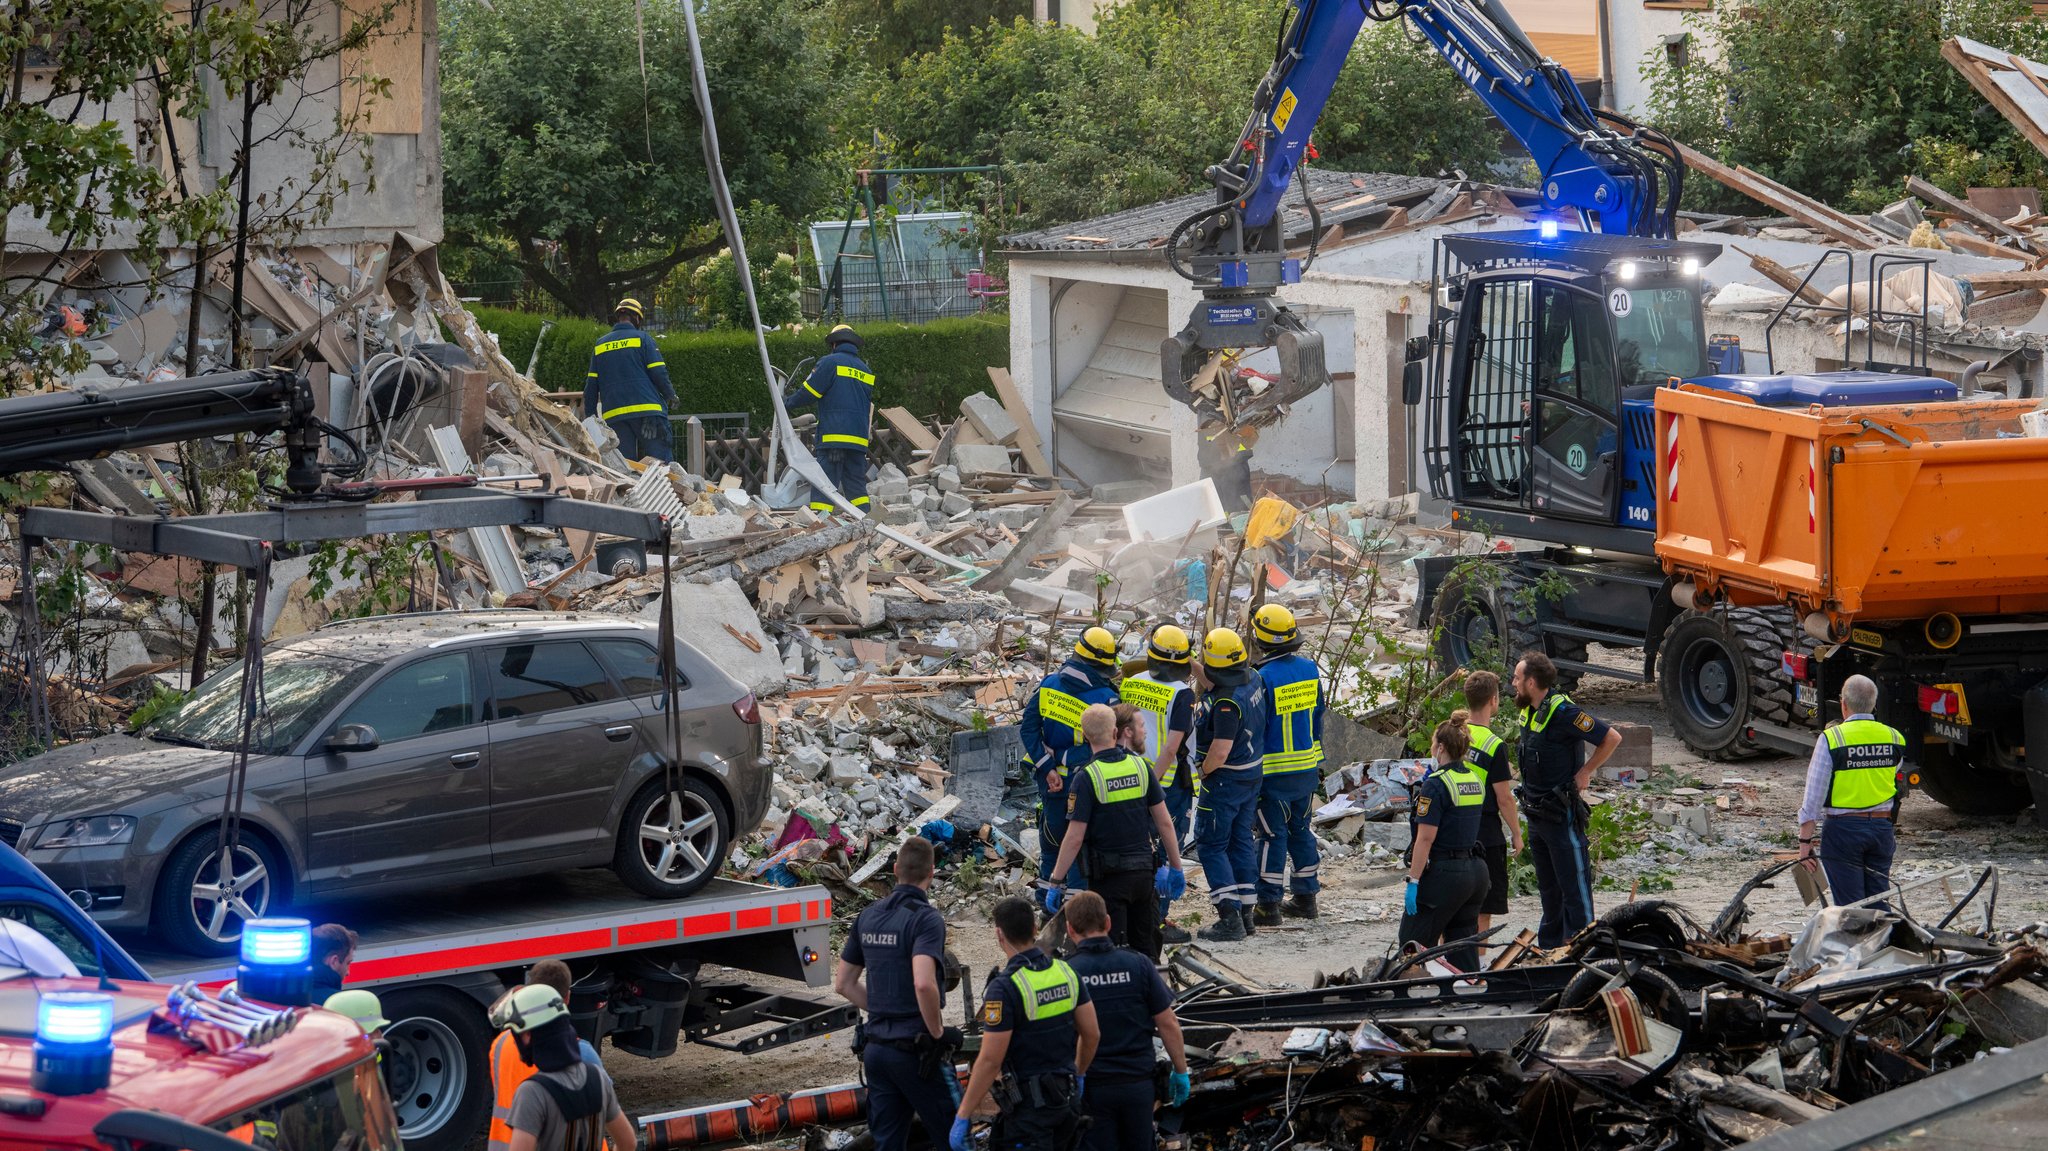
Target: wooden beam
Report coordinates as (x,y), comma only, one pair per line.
(1980,78)
(1784,277)
(910,428)
(1766,191)
(1028,444)
(1987,282)
(1966,211)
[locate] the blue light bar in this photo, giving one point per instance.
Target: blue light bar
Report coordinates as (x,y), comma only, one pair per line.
(75,1018)
(1547,229)
(277,942)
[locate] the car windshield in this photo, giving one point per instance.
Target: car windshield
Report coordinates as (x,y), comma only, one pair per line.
(348,1111)
(297,691)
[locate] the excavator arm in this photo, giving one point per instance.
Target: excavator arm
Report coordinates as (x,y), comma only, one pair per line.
(1601,166)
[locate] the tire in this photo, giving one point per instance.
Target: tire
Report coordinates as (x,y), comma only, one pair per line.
(1718,671)
(697,849)
(437,1067)
(1524,610)
(1469,621)
(1966,785)
(179,908)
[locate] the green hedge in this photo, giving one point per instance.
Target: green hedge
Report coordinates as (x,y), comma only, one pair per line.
(928,368)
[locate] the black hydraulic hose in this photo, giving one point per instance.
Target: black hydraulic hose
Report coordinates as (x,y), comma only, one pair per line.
(1315,220)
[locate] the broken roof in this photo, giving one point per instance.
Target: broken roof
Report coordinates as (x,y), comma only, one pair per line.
(1343,198)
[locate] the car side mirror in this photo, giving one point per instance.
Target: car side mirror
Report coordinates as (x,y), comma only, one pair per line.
(1417,350)
(1411,383)
(352,737)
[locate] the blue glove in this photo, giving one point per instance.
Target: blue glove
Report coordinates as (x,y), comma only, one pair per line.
(1160,883)
(1178,1085)
(1080,1086)
(960,1139)
(1054,896)
(1408,903)
(1178,880)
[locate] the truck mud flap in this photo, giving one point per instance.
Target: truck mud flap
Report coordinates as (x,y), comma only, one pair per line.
(726,1008)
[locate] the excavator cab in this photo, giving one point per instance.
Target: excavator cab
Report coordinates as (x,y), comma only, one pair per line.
(1546,352)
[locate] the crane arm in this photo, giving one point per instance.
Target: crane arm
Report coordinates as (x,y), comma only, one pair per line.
(1599,165)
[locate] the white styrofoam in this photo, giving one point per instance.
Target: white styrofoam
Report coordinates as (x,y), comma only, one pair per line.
(1174,513)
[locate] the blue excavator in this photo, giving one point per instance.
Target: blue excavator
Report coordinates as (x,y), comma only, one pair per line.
(1543,350)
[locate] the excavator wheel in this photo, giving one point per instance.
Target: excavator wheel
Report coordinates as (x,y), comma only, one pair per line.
(1520,603)
(1469,620)
(1719,670)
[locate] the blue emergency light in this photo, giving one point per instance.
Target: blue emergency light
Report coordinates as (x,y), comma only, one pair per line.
(276,962)
(74,1049)
(1547,229)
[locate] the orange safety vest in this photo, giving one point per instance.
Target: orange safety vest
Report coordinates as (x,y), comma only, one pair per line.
(508,1071)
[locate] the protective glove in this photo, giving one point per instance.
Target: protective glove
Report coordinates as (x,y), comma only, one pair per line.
(1408,902)
(961,1137)
(1178,881)
(1178,1085)
(1054,896)
(1160,883)
(1080,1086)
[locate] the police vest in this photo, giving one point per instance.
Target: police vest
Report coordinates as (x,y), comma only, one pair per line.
(1484,742)
(1293,689)
(1458,828)
(1048,992)
(1866,757)
(1127,779)
(1466,785)
(1156,699)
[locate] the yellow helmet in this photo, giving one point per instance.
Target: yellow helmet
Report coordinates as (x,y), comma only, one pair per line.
(1273,624)
(1169,644)
(1097,646)
(1222,648)
(629,304)
(526,1007)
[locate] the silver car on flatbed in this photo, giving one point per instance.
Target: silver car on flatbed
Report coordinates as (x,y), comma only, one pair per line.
(397,752)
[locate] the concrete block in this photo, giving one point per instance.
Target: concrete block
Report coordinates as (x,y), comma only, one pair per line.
(946,478)
(808,760)
(718,527)
(887,473)
(954,503)
(1637,746)
(846,770)
(974,459)
(890,491)
(898,515)
(986,413)
(708,608)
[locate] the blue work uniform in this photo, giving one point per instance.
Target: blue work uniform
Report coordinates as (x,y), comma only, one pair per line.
(1295,706)
(1235,711)
(884,940)
(1454,883)
(1555,734)
(1051,731)
(1122,1082)
(628,386)
(1034,997)
(843,387)
(1168,706)
(1114,796)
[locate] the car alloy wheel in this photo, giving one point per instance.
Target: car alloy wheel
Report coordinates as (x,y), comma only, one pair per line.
(220,907)
(679,838)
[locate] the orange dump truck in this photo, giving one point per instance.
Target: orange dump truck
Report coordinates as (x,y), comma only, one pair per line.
(1912,542)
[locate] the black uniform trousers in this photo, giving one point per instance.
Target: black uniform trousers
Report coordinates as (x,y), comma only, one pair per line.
(1057,1125)
(1447,904)
(1119,1115)
(1564,868)
(1133,909)
(898,1096)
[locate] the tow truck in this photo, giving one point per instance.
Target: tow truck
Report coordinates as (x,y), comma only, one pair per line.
(1572,402)
(439,958)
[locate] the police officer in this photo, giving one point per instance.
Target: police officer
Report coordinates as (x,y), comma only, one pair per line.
(1039,1032)
(1446,878)
(1230,733)
(1295,703)
(628,386)
(1852,779)
(1554,735)
(899,944)
(1051,731)
(1490,755)
(843,387)
(1115,811)
(1132,1004)
(1165,696)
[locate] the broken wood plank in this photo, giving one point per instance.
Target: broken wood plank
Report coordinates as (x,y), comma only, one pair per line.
(1028,443)
(919,590)
(1977,245)
(1974,215)
(910,428)
(2018,106)
(1988,282)
(1784,277)
(1804,209)
(845,693)
(1030,544)
(748,641)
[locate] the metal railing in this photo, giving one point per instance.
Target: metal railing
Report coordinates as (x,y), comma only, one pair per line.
(913,291)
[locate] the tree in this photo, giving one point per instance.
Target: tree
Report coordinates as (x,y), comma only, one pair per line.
(1085,125)
(893,30)
(1843,99)
(594,183)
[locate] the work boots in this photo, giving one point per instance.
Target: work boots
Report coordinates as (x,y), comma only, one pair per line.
(1228,928)
(1249,918)
(1171,932)
(1266,915)
(1300,905)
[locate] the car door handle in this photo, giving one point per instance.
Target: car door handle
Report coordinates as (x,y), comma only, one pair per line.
(465,758)
(620,733)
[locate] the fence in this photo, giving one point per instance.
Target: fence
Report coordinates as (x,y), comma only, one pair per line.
(730,447)
(914,291)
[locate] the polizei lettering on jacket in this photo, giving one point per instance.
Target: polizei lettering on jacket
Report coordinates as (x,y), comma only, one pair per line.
(1106,978)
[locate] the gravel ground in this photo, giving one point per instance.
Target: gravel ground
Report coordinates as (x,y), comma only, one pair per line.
(1361,901)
